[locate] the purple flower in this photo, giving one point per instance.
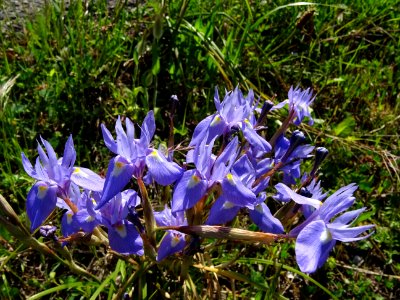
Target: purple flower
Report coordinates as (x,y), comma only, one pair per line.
(211,170)
(224,210)
(122,234)
(235,111)
(289,153)
(54,180)
(132,156)
(317,236)
(68,220)
(173,241)
(299,104)
(87,218)
(49,169)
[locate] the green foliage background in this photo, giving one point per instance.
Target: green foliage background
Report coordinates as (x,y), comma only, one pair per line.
(78,67)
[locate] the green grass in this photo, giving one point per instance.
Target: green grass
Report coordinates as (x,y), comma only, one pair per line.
(77,71)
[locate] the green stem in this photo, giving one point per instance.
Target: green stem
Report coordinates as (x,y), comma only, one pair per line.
(149,221)
(144,267)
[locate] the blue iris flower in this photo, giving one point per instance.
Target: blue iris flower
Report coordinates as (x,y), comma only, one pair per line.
(225,210)
(235,111)
(290,153)
(211,170)
(122,234)
(299,102)
(317,236)
(54,177)
(173,241)
(86,219)
(133,155)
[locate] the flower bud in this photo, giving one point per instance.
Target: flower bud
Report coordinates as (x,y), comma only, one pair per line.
(305,192)
(320,154)
(174,103)
(296,140)
(264,111)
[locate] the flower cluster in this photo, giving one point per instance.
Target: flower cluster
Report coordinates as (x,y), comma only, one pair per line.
(232,168)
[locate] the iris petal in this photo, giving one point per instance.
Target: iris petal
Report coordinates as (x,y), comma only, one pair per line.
(68,225)
(222,211)
(118,175)
(29,168)
(200,132)
(236,192)
(41,201)
(225,160)
(125,239)
(262,217)
(148,128)
(347,217)
(87,179)
(123,143)
(338,202)
(109,141)
(190,188)
(288,193)
(310,248)
(171,243)
(350,234)
(85,221)
(69,156)
(163,171)
(253,138)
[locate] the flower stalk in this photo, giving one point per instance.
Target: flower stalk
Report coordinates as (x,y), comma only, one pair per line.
(227,233)
(148,215)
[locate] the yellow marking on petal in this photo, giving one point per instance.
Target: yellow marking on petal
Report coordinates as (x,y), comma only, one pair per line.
(175,240)
(194,180)
(229,176)
(157,156)
(228,205)
(89,219)
(42,191)
(217,119)
(81,173)
(121,230)
(118,168)
(69,217)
